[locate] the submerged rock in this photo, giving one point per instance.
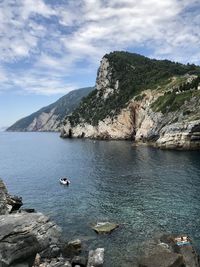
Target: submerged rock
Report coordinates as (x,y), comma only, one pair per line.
(96,258)
(104,227)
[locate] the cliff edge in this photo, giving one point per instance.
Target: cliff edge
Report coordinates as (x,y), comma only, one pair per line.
(146,100)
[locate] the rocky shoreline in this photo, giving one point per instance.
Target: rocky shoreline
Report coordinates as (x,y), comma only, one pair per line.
(29,239)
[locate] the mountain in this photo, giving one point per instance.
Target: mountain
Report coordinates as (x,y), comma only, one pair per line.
(2,129)
(49,118)
(147,100)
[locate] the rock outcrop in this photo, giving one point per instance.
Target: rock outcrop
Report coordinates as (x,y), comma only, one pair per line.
(23,235)
(164,252)
(183,135)
(171,130)
(8,203)
(166,116)
(120,127)
(104,227)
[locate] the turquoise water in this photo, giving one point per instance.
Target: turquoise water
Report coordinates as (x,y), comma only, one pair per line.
(145,190)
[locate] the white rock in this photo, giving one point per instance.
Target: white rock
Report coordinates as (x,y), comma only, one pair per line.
(96,258)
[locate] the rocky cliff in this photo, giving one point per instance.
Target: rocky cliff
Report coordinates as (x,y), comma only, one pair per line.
(49,118)
(149,101)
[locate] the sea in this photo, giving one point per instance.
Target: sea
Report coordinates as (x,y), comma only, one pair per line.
(146,191)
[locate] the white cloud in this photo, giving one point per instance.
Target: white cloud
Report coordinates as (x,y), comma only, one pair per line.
(35,83)
(55,38)
(29,7)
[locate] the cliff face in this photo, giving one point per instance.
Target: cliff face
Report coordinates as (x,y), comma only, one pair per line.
(178,129)
(118,127)
(160,107)
(49,118)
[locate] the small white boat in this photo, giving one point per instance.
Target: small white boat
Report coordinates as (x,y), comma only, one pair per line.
(64,181)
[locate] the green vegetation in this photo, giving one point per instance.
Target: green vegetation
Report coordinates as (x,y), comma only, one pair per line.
(172,102)
(135,73)
(189,85)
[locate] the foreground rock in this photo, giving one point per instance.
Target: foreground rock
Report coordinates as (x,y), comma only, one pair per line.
(96,258)
(23,235)
(166,252)
(164,259)
(72,248)
(104,227)
(8,203)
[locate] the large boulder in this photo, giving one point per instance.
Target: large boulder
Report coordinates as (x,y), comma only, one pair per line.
(190,256)
(169,251)
(72,248)
(164,259)
(23,235)
(8,203)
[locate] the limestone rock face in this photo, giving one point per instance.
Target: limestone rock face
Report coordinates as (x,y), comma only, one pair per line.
(160,130)
(120,127)
(139,122)
(112,127)
(23,235)
(104,81)
(185,135)
(44,122)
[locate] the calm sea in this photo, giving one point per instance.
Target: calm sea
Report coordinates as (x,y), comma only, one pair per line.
(145,190)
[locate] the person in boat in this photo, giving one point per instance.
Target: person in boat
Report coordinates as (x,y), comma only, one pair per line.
(65,180)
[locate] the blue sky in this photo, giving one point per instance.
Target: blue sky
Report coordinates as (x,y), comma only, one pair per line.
(50,47)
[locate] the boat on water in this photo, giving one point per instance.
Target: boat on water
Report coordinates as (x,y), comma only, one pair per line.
(64,181)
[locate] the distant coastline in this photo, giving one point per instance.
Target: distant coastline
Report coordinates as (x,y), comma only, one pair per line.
(3,128)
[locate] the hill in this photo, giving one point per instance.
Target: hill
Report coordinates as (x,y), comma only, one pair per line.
(49,118)
(139,98)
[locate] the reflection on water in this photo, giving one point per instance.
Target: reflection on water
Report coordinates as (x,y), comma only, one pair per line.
(144,189)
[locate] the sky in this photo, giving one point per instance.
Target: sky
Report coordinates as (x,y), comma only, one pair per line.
(50,47)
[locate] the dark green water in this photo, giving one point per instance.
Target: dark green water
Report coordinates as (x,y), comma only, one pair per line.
(146,190)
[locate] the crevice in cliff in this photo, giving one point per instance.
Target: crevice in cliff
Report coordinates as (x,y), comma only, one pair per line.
(133,120)
(70,133)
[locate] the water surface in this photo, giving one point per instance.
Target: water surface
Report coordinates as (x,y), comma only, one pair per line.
(145,190)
